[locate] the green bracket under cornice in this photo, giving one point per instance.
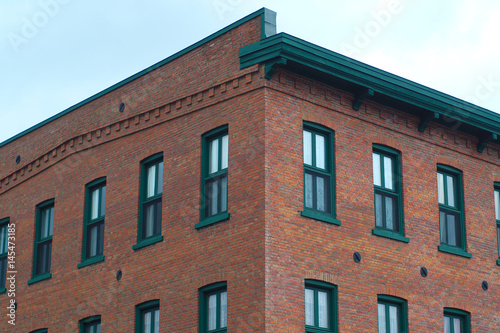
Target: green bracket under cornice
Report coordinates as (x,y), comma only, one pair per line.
(425,120)
(272,66)
(483,141)
(359,98)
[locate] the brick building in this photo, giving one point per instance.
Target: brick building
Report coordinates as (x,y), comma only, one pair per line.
(254,182)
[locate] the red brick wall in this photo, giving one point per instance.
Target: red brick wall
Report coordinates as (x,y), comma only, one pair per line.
(266,250)
(167,111)
(299,248)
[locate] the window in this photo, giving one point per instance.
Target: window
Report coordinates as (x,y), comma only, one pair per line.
(93,225)
(148,317)
(388,198)
(91,325)
(213,308)
(451,213)
(320,307)
(214,169)
(497,217)
(4,241)
(150,206)
(43,241)
(456,321)
(318,174)
(392,315)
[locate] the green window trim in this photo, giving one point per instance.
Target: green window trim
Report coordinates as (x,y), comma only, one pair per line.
(386,303)
(319,173)
(91,261)
(42,253)
(451,209)
(454,250)
(94,222)
(150,202)
(4,250)
(90,324)
(40,278)
(41,330)
(390,234)
(312,291)
(214,291)
(214,204)
(153,309)
(457,314)
(388,193)
(497,216)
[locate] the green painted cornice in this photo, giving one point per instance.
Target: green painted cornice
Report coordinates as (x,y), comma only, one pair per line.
(367,82)
(267,29)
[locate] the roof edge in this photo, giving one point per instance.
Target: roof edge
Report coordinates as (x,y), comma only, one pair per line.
(282,49)
(268,28)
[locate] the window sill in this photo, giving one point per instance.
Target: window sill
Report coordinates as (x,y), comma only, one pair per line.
(91,261)
(390,234)
(317,330)
(2,290)
(40,278)
(454,250)
(147,242)
(212,220)
(320,217)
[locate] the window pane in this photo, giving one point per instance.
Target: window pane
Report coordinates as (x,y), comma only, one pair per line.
(223,194)
(447,325)
(147,322)
(3,239)
(94,204)
(308,189)
(320,194)
(378,210)
(497,205)
(442,226)
(46,228)
(212,312)
(157,321)
(307,146)
(215,197)
(214,156)
(450,186)
(322,309)
(381,319)
(103,201)
(388,173)
(389,212)
(159,184)
(223,309)
(393,316)
(3,271)
(50,215)
(440,188)
(457,325)
(224,153)
(92,241)
(377,176)
(498,238)
(98,328)
(149,220)
(150,191)
(452,236)
(320,151)
(309,304)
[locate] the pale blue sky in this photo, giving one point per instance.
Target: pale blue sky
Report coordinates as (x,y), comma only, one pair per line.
(56,53)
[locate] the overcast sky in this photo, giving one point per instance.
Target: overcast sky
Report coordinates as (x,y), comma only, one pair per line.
(56,53)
